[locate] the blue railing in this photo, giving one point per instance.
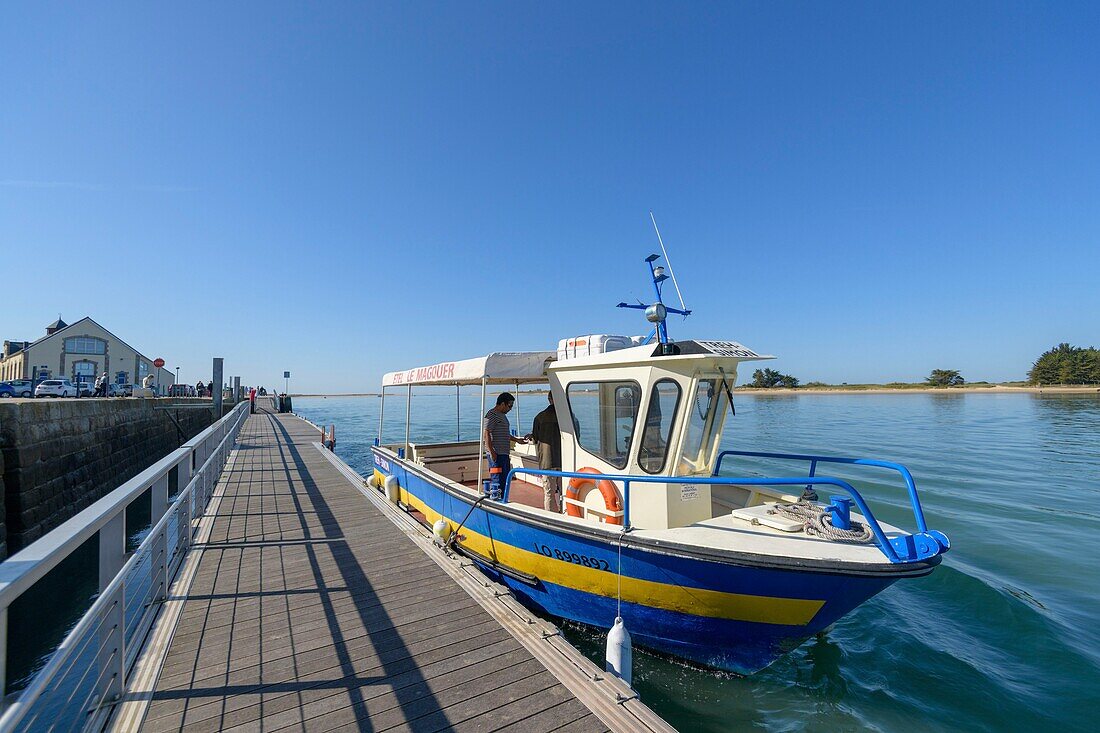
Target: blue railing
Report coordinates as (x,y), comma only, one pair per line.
(910,485)
(903,549)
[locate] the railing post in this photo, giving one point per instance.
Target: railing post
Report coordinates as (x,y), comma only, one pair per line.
(112,556)
(160,565)
(3,652)
(112,548)
(159,499)
(183,473)
(112,650)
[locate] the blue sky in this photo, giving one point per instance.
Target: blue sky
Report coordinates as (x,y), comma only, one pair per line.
(867,190)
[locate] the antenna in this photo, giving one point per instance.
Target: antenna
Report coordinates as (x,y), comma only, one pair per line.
(668,261)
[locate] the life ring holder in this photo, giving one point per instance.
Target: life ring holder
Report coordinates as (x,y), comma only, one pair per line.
(578,489)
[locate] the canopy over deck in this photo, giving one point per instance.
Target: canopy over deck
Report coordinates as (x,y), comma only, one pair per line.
(497,368)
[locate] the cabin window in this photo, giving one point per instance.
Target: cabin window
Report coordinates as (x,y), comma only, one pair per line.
(657,429)
(604,416)
(705,415)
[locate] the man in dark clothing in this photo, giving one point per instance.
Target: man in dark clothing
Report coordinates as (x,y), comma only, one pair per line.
(498,443)
(547,436)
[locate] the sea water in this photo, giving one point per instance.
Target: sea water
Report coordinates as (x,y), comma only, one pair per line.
(1004,635)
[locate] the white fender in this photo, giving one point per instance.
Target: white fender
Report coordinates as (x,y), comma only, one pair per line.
(619,659)
(441,530)
(393,489)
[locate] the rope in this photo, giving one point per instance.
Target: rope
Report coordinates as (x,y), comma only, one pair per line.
(619,605)
(817,521)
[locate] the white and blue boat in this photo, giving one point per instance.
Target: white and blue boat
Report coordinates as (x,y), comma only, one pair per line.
(726,571)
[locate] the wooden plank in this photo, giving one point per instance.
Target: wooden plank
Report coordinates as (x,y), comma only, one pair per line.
(310,610)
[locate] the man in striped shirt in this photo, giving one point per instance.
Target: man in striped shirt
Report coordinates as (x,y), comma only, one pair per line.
(498,443)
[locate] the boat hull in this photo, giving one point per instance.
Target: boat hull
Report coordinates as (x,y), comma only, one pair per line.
(732,613)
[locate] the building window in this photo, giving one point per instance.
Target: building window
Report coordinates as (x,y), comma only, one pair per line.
(85,345)
(658,425)
(83,371)
(143,370)
(120,378)
(604,415)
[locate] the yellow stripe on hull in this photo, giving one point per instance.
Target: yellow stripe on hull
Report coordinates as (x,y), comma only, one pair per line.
(667,596)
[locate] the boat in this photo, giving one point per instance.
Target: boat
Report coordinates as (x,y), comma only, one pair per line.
(724,571)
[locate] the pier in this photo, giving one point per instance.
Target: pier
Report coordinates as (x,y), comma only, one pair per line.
(304,601)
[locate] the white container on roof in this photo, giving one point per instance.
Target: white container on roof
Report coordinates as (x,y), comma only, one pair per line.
(597,343)
(495,368)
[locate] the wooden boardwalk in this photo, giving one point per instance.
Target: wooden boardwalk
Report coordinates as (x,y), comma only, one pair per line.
(309,610)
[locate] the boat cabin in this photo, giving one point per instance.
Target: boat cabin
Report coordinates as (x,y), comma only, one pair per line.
(646,410)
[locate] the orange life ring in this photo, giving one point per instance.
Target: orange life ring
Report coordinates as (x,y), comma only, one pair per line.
(611,498)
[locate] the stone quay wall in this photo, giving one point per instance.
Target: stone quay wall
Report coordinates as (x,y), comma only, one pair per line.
(58,456)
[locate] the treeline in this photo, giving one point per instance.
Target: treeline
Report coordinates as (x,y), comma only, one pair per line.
(767,378)
(1065,364)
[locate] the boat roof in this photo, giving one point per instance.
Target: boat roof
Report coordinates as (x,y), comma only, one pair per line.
(504,367)
(524,367)
(728,352)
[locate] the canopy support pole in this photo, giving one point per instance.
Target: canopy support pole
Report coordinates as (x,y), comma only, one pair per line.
(458,417)
(481,440)
(381,412)
(408,419)
(519,424)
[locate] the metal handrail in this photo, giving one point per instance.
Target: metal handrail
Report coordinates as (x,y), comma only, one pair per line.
(888,548)
(107,517)
(910,485)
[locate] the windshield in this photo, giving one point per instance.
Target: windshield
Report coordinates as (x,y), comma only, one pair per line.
(706,415)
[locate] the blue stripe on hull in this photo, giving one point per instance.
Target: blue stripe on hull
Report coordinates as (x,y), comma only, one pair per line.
(739,646)
(734,646)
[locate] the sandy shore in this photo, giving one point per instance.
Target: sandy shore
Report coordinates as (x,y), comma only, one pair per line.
(979,389)
(984,389)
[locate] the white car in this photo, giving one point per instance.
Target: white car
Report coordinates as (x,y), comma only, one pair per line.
(55,388)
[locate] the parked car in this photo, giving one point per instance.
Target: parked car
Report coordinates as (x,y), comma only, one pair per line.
(115,390)
(19,387)
(85,389)
(55,388)
(6,390)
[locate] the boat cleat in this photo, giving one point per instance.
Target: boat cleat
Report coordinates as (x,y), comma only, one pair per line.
(920,546)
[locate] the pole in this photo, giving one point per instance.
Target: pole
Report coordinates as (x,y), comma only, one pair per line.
(519,425)
(481,440)
(217,384)
(458,417)
(408,419)
(176,385)
(381,412)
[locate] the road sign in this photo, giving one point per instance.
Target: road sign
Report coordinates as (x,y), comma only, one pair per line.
(286,375)
(158,362)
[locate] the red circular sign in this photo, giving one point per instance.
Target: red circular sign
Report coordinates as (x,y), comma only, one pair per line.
(158,363)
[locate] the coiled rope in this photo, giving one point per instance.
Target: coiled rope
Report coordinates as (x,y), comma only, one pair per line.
(817,521)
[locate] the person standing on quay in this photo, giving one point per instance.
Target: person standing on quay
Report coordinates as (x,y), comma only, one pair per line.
(252,401)
(547,437)
(498,440)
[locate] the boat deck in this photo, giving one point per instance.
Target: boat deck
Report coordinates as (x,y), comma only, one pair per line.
(309,609)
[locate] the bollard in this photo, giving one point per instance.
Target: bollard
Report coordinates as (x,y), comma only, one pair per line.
(840,508)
